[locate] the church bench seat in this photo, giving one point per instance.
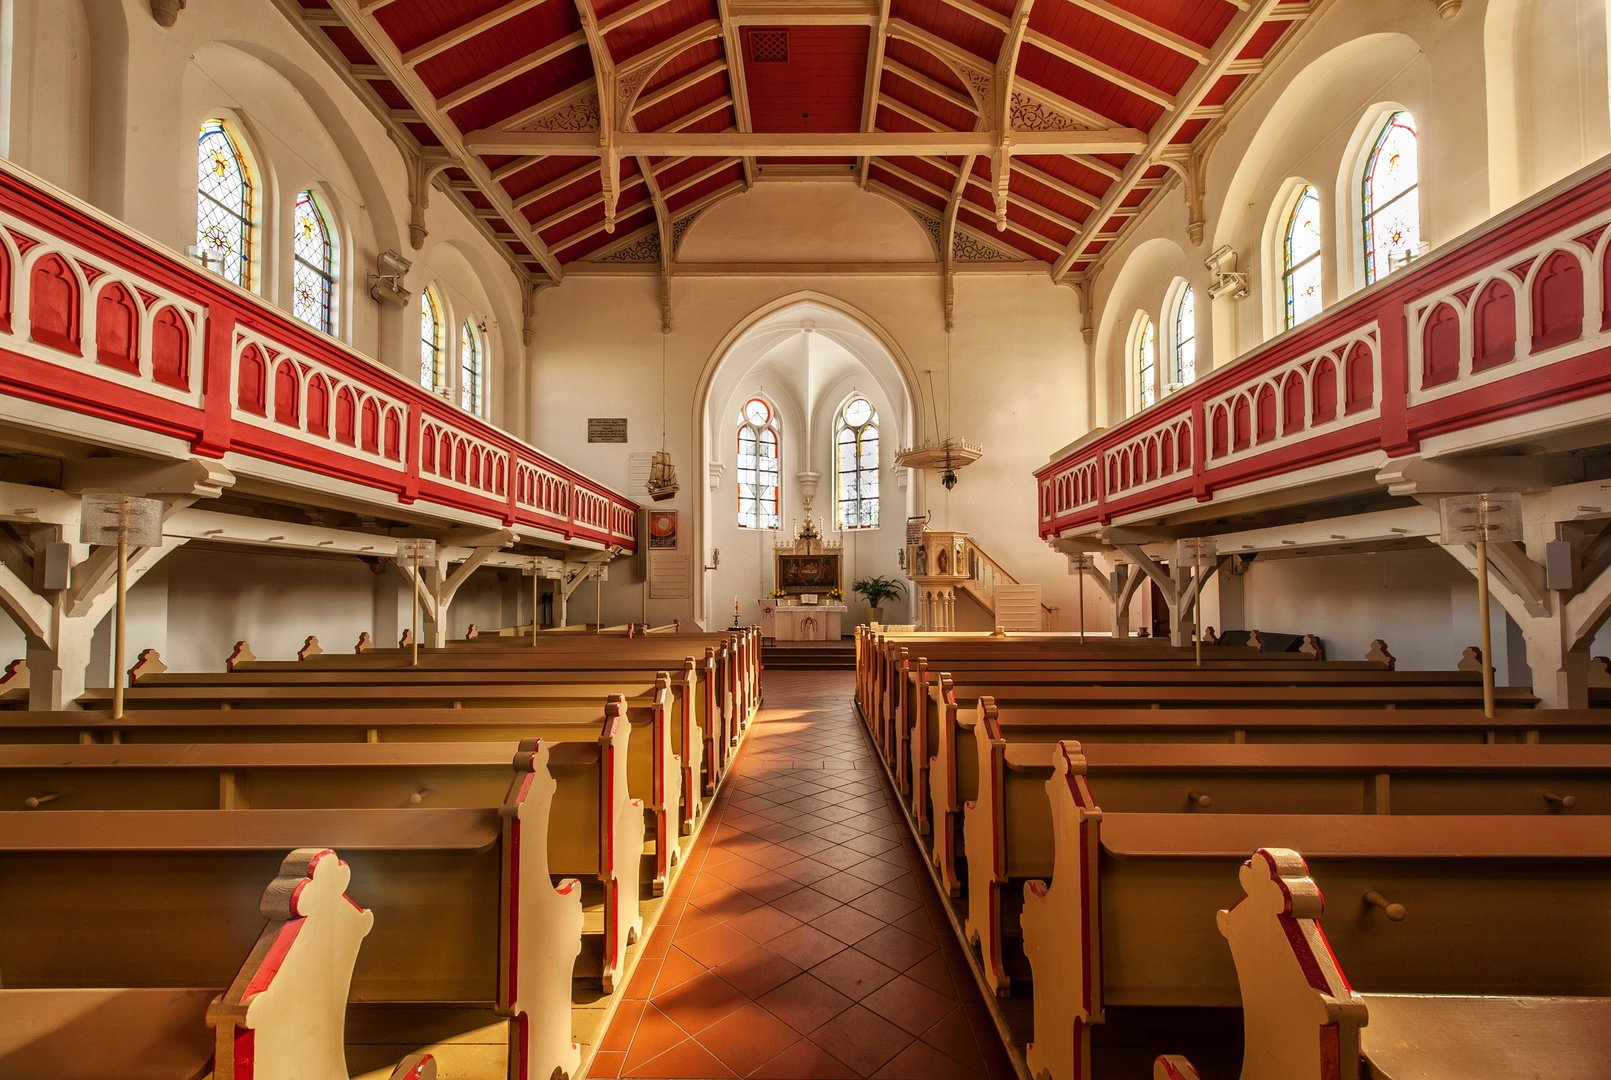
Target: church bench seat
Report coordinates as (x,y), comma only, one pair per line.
(690,716)
(1302,1019)
(1420,899)
(155,899)
(948,727)
(656,776)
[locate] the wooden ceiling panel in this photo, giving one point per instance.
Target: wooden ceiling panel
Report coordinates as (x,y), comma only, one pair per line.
(1085,88)
(817,88)
(924,63)
(927,100)
(678,204)
(347,42)
(502,47)
(1117,46)
(626,223)
(658,26)
(967,33)
(884,175)
(523,91)
(413,23)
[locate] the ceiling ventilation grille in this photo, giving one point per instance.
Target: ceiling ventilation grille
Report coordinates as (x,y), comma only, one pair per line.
(769,46)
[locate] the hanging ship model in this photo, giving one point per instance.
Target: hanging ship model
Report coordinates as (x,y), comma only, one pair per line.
(662,483)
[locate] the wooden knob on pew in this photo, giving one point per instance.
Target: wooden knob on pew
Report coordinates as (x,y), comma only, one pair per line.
(1394,912)
(33,802)
(1199,798)
(419,796)
(1565,802)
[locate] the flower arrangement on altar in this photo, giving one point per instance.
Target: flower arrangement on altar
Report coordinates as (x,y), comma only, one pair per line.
(778,594)
(836,596)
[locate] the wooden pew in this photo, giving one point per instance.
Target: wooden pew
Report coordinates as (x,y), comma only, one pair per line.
(137,898)
(950,786)
(1302,1019)
(1438,904)
(697,721)
(656,780)
(907,743)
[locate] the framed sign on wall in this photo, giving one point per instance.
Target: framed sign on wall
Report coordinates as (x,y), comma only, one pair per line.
(662,530)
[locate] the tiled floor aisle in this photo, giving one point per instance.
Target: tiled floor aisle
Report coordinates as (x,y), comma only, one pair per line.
(804,938)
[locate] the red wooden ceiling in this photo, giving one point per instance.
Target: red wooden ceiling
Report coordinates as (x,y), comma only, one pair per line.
(479,64)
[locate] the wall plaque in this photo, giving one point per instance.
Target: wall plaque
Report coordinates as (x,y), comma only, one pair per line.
(606,429)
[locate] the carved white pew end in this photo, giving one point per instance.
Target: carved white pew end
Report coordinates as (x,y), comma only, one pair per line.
(310,647)
(1378,652)
(415,1067)
(16,676)
(365,643)
(285,1014)
(1173,1067)
(149,662)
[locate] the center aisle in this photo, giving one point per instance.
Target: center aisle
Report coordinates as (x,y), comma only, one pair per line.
(804,939)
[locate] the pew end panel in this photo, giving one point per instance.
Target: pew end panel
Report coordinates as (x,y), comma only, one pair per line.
(621,845)
(541,925)
(1300,1017)
(285,1013)
(666,787)
(1062,926)
(943,785)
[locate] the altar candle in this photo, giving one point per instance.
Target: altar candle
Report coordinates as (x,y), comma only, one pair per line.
(735,606)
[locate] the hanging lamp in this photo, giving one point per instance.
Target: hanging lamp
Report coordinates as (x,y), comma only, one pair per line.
(662,483)
(950,453)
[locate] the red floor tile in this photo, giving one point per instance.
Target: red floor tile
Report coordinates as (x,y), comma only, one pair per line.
(852,973)
(748,1039)
(756,972)
(688,1060)
(910,1004)
(700,1002)
(805,1060)
(861,1039)
(805,1003)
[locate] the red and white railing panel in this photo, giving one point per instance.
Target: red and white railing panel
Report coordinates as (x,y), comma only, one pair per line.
(1513,319)
(103,323)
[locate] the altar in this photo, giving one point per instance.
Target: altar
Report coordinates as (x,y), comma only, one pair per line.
(807,622)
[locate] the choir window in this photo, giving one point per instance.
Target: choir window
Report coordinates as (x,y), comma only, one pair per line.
(433,372)
(470,368)
(856,444)
(223,204)
(758,462)
(1146,363)
(1300,257)
(1186,337)
(1391,198)
(313,268)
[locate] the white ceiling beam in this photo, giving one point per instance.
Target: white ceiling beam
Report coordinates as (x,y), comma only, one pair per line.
(928,85)
(733,48)
(629,13)
(552,103)
(1070,55)
(588,203)
(699,177)
(672,89)
(459,35)
(796,13)
(873,83)
(806,144)
(510,168)
(911,112)
(379,45)
(1232,42)
(1062,187)
(472,90)
(1145,27)
(988,16)
(699,114)
(559,183)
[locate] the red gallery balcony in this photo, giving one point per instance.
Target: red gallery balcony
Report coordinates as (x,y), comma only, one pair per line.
(1498,342)
(110,338)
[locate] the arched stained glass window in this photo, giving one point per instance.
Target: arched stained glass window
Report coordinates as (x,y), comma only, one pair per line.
(856,453)
(1147,363)
(758,461)
(1300,257)
(470,368)
(433,374)
(1391,197)
(1186,337)
(223,204)
(313,268)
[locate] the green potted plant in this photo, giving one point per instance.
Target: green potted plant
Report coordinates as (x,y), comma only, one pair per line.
(875,590)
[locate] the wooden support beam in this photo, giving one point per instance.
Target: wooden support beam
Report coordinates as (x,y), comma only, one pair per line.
(559,183)
(928,85)
(806,144)
(1086,62)
(672,89)
(465,31)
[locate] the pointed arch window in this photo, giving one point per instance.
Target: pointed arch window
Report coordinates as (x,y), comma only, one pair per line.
(313,265)
(1146,363)
(1391,197)
(758,466)
(856,453)
(433,373)
(223,204)
(1300,257)
(1186,337)
(470,368)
